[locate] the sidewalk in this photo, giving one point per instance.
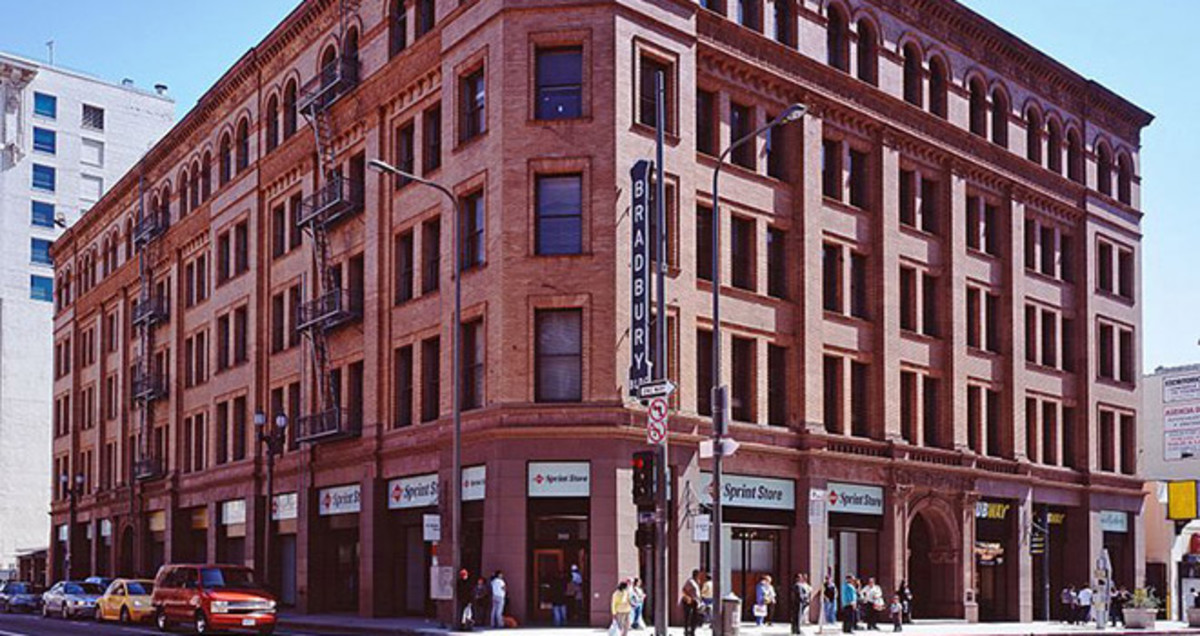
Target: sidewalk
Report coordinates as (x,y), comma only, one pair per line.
(350,624)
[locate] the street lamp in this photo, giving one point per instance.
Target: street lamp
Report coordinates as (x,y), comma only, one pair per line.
(272,439)
(720,393)
(73,491)
(456,381)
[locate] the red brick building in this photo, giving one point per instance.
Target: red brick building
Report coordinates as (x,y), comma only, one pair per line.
(931,305)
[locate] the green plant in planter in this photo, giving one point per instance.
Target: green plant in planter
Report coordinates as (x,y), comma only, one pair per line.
(1144,598)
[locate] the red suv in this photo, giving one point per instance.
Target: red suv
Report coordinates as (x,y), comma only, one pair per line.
(212,598)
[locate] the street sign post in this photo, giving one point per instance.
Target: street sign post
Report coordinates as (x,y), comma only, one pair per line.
(656,388)
(656,421)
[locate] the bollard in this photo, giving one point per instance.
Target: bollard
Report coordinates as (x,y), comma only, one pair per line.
(731,614)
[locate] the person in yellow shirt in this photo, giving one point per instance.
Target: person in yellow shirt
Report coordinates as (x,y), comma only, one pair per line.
(622,608)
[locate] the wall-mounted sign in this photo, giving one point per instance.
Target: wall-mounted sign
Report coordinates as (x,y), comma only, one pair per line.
(747,491)
(701,528)
(1181,388)
(106,527)
(284,507)
(994,510)
(855,498)
(339,500)
(413,492)
(1181,432)
(816,506)
(639,276)
(474,483)
(62,532)
(559,479)
(1114,521)
(233,512)
(431,528)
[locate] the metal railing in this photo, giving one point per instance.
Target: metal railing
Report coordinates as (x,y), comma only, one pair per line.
(337,198)
(331,423)
(329,310)
(150,227)
(148,468)
(148,383)
(151,309)
(331,82)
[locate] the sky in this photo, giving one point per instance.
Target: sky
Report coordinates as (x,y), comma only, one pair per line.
(1137,49)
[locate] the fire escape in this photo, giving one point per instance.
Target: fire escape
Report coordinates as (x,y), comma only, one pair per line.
(149,382)
(336,198)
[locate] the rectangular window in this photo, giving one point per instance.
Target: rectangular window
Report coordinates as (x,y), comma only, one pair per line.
(704,375)
(930,424)
(974,400)
(777,385)
(1125,344)
(560,83)
(278,326)
(241,335)
(929,314)
(222,432)
(91,152)
(908,299)
(706,122)
(1125,273)
(930,208)
(278,232)
(1031,341)
(704,243)
(783,23)
(41,288)
(1104,266)
(1129,451)
(992,323)
(239,428)
(831,169)
(293,314)
(649,69)
(860,399)
(40,252)
(223,342)
(431,255)
(908,198)
(559,355)
(473,102)
(431,139)
(748,14)
(831,268)
(777,159)
(858,286)
(241,243)
(45,105)
(974,223)
(398,28)
(472,364)
(973,318)
(995,445)
(431,390)
(1049,339)
(43,178)
(1030,244)
(1107,368)
(1067,335)
(295,233)
(405,154)
(991,231)
(42,214)
(559,201)
(426,16)
(777,279)
(908,406)
(223,257)
(742,252)
(404,268)
(1068,437)
(1066,258)
(1048,251)
(671,208)
(741,123)
(93,117)
(45,140)
(742,363)
(858,178)
(403,383)
(472,227)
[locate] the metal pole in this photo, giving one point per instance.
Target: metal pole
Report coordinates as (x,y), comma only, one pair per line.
(1044,515)
(661,563)
(70,530)
(270,506)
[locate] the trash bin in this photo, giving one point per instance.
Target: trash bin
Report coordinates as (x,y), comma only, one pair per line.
(731,614)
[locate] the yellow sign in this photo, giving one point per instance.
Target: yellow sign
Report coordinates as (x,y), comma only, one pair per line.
(1181,500)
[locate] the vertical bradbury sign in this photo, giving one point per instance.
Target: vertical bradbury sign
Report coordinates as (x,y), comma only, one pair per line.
(639,331)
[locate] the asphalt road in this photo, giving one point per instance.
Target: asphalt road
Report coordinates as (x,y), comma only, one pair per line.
(35,625)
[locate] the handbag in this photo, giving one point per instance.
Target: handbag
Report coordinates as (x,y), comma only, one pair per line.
(614,629)
(760,610)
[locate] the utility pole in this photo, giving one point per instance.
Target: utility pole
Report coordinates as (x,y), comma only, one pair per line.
(661,520)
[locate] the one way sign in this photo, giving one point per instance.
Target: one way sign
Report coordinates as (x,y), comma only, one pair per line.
(657,388)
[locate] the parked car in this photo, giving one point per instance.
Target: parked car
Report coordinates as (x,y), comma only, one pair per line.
(18,596)
(127,600)
(102,581)
(70,599)
(210,598)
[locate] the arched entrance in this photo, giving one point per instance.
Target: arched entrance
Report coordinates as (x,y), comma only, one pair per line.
(125,560)
(934,572)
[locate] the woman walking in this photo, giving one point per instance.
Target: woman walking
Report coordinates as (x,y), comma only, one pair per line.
(622,608)
(637,598)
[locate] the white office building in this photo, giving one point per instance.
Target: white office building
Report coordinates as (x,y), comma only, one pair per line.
(65,137)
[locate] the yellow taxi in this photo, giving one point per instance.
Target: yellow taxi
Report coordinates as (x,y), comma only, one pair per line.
(126,600)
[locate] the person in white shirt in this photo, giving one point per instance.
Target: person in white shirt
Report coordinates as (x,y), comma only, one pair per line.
(1085,604)
(499,591)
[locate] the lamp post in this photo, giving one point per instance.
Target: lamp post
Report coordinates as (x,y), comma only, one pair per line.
(456,382)
(272,438)
(73,491)
(720,393)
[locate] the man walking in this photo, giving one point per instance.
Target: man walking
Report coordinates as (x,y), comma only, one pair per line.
(801,598)
(1085,604)
(849,605)
(690,599)
(499,592)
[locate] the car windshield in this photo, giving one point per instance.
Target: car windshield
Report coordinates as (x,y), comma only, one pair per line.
(82,588)
(140,589)
(234,578)
(17,588)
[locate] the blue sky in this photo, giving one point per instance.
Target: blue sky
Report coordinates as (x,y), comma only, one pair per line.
(1137,49)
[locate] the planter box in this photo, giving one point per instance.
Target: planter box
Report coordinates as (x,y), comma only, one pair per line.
(1193,617)
(1139,618)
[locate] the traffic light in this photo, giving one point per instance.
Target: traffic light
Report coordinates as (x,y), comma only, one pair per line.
(645,479)
(644,537)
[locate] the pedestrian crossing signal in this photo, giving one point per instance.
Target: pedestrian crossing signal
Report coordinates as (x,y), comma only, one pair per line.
(645,479)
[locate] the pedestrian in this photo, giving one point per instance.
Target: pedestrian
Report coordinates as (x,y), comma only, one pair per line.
(481,602)
(896,611)
(499,594)
(829,594)
(864,605)
(558,598)
(637,598)
(849,605)
(622,608)
(706,599)
(1195,599)
(1085,604)
(801,599)
(1069,607)
(689,598)
(761,591)
(873,600)
(575,595)
(906,598)
(466,613)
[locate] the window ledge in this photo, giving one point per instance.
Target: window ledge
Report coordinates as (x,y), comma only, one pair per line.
(988,256)
(1115,297)
(670,137)
(463,144)
(1038,274)
(843,206)
(1116,384)
(920,233)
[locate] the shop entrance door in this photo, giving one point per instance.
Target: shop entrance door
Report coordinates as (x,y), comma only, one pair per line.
(548,569)
(933,564)
(344,596)
(287,569)
(754,553)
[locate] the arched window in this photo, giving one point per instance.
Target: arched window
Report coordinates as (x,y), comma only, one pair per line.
(194,185)
(164,209)
(243,144)
(272,123)
(289,109)
(1104,167)
(1033,136)
(352,43)
(129,239)
(1125,179)
(868,53)
(206,176)
(837,44)
(104,261)
(226,157)
(1054,146)
(183,193)
(978,107)
(112,248)
(327,70)
(1000,112)
(939,78)
(1074,156)
(912,76)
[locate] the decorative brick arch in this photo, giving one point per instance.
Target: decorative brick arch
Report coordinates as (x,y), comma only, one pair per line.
(933,565)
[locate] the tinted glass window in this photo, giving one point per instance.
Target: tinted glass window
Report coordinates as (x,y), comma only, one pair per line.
(43,177)
(559,83)
(45,105)
(559,213)
(43,214)
(41,288)
(44,140)
(228,578)
(140,589)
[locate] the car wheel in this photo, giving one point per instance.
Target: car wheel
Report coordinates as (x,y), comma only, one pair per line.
(98,614)
(160,620)
(65,612)
(201,624)
(124,614)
